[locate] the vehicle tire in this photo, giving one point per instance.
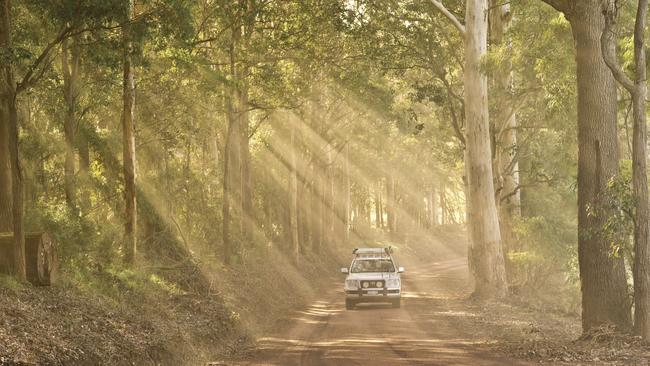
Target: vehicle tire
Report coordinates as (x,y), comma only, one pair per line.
(397,303)
(349,304)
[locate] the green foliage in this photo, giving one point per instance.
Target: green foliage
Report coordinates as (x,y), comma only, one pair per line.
(617,208)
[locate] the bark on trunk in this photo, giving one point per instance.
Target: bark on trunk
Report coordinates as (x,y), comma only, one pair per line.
(641,230)
(245,154)
(378,205)
(17,191)
(640,181)
(380,189)
(246,188)
(317,206)
(433,208)
(293,195)
(9,97)
(485,254)
(392,205)
(334,217)
(443,203)
(84,167)
(348,194)
(603,282)
(638,92)
(70,67)
(330,206)
(128,146)
(6,198)
(305,191)
(227,245)
(232,174)
(505,135)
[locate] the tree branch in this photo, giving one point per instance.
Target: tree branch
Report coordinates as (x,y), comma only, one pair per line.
(560,5)
(452,18)
(608,46)
(42,58)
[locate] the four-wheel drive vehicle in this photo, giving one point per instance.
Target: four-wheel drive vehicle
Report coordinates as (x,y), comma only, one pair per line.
(372,277)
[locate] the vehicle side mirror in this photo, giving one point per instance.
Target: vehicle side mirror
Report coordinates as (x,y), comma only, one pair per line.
(344,270)
(400,269)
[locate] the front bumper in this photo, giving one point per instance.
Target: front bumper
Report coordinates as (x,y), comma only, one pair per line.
(373,295)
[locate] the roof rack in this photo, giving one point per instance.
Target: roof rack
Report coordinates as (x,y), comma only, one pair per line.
(387,250)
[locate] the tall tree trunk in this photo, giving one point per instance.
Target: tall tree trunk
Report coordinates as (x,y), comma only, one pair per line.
(245,156)
(398,206)
(348,193)
(380,190)
(485,255)
(318,176)
(603,282)
(602,276)
(293,194)
(70,67)
(6,197)
(443,203)
(505,135)
(17,185)
(317,209)
(389,203)
(9,97)
(84,167)
(330,206)
(303,177)
(227,244)
(246,188)
(232,175)
(377,192)
(128,144)
(640,182)
(638,92)
(307,214)
(266,202)
(433,209)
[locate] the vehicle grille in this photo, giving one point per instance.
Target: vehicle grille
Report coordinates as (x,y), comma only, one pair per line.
(372,284)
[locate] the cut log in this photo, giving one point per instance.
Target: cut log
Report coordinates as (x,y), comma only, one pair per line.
(40,257)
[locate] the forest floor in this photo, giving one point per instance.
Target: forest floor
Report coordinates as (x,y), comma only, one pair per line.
(438,325)
(182,314)
(268,312)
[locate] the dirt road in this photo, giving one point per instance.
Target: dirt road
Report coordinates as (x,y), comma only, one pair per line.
(432,327)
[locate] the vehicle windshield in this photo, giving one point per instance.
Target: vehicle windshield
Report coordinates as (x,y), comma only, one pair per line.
(372,265)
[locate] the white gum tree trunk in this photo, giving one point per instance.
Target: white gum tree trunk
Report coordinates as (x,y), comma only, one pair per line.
(485,254)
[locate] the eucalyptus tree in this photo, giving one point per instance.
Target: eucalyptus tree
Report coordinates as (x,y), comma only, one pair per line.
(485,253)
(70,66)
(637,88)
(602,275)
(504,128)
(128,138)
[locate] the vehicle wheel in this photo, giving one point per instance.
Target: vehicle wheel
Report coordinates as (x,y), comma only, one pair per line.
(349,304)
(397,303)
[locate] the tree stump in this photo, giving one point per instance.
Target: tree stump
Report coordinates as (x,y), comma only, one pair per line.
(40,257)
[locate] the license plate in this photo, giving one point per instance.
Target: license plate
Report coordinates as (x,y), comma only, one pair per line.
(373,292)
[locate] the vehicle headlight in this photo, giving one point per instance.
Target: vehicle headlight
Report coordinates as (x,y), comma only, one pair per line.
(351,284)
(393,282)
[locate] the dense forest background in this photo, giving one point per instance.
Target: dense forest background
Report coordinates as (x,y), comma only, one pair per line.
(153,136)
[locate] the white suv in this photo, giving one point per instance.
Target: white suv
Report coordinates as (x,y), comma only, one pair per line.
(372,277)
